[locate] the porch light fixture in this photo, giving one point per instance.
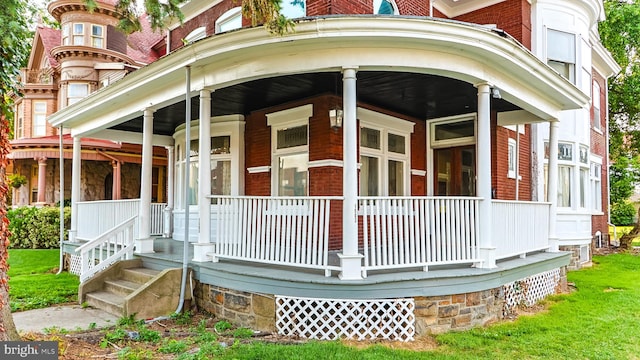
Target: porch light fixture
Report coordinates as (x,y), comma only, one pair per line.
(495,92)
(335,118)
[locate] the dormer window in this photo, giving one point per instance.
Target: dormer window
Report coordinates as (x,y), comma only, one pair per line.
(230,20)
(385,7)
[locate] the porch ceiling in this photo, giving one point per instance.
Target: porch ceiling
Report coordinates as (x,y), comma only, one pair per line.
(422,96)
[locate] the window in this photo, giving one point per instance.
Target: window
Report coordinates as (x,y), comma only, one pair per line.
(221,165)
(584,185)
(39,118)
(384,154)
(230,20)
(19,122)
(65,34)
(290,154)
(564,185)
(293,8)
(595,99)
(561,53)
(78,34)
(596,186)
(385,7)
(76,92)
(197,34)
(97,36)
(511,173)
(453,132)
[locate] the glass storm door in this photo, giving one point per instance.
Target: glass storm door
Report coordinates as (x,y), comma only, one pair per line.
(455,171)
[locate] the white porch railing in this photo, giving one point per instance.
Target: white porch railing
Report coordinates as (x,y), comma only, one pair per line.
(289,231)
(519,227)
(99,253)
(97,217)
(401,232)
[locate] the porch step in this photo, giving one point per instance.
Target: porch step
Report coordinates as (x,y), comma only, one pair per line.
(128,288)
(107,301)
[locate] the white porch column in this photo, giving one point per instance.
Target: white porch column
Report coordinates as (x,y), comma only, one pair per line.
(204,244)
(350,259)
(552,184)
(75,187)
(144,242)
(168,210)
(483,184)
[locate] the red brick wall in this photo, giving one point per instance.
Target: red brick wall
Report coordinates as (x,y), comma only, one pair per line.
(505,187)
(512,16)
(599,147)
(206,19)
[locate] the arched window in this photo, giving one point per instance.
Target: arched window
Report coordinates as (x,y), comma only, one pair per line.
(385,7)
(293,8)
(230,20)
(195,35)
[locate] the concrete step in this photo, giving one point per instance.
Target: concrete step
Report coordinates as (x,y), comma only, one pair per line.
(139,275)
(107,301)
(120,287)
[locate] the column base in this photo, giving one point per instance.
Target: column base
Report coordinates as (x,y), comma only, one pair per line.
(200,252)
(488,256)
(351,267)
(144,246)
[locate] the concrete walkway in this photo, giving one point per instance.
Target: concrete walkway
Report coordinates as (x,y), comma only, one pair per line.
(68,317)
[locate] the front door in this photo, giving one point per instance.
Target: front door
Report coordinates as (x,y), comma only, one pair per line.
(455,171)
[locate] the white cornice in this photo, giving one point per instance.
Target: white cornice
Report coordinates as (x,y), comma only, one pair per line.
(325,163)
(191,9)
(466,52)
(453,9)
(602,60)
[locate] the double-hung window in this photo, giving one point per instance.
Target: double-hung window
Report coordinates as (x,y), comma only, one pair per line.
(97,36)
(230,20)
(78,34)
(384,154)
(595,99)
(76,92)
(290,151)
(596,186)
(561,53)
(39,118)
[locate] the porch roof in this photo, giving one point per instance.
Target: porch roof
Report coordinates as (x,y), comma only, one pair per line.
(417,66)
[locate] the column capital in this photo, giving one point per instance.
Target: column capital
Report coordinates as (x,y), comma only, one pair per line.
(483,84)
(42,160)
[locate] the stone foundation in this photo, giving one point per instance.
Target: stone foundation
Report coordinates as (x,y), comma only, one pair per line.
(255,311)
(576,263)
(432,314)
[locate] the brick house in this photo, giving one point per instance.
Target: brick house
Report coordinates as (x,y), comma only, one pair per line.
(435,155)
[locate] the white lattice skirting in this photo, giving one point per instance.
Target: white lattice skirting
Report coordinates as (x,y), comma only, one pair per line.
(75,266)
(330,319)
(530,290)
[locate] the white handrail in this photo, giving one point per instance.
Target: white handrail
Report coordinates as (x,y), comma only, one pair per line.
(519,227)
(113,245)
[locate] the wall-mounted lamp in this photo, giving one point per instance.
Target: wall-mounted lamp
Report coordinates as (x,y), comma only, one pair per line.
(335,118)
(495,92)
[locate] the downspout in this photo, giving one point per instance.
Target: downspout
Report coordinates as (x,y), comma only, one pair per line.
(431,8)
(61,161)
(187,150)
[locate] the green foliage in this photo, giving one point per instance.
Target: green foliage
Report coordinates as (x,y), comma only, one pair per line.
(182,318)
(622,213)
(129,321)
(242,333)
(173,346)
(222,326)
(624,176)
(620,34)
(14,48)
(34,283)
(36,228)
(16,180)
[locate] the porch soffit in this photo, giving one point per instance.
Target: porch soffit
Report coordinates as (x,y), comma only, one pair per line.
(405,57)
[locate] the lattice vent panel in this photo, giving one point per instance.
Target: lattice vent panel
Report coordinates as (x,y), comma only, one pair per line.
(530,290)
(75,266)
(330,319)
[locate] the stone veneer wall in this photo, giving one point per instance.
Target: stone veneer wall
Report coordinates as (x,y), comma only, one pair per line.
(255,311)
(575,263)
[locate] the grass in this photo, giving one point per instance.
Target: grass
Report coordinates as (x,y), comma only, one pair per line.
(621,230)
(33,282)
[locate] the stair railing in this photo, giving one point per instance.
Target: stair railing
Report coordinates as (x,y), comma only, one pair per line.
(107,248)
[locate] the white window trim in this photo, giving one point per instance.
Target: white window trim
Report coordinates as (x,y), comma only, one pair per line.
(511,173)
(228,125)
(577,51)
(227,17)
(596,204)
(462,141)
(98,37)
(78,98)
(35,126)
(196,35)
(294,117)
(387,124)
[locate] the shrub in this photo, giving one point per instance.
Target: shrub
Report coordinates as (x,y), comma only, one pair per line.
(36,228)
(622,213)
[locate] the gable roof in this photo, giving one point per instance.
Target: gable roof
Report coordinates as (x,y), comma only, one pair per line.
(141,43)
(47,38)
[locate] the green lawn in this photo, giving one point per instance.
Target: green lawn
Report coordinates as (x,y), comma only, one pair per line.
(598,321)
(33,281)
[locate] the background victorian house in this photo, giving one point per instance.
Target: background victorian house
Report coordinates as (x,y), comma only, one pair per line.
(390,168)
(65,65)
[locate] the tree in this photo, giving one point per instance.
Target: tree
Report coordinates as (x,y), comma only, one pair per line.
(14,42)
(265,12)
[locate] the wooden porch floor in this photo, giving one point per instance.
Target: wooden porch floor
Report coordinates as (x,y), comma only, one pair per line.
(287,281)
